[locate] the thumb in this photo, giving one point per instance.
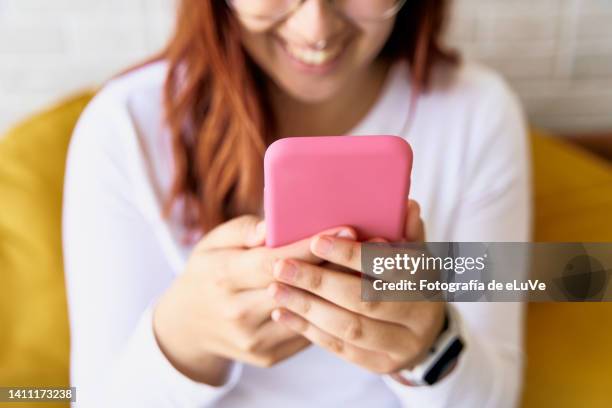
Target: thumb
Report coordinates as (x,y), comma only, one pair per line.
(244,231)
(414,230)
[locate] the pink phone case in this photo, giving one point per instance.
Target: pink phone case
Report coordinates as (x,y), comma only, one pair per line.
(316,183)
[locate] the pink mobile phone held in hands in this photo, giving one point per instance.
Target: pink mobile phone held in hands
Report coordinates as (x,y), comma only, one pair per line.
(316,183)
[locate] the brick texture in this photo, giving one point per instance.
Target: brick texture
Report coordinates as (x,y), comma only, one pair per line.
(557,54)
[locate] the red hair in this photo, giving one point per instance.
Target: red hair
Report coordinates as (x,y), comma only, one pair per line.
(218,113)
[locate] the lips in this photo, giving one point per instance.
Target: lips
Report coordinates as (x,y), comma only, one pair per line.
(312,60)
(313,57)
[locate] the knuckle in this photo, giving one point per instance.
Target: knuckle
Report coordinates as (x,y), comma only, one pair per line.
(352,253)
(238,314)
(266,361)
(335,344)
(222,281)
(370,307)
(306,306)
(249,344)
(353,330)
(254,346)
(266,264)
(316,279)
(247,223)
(243,226)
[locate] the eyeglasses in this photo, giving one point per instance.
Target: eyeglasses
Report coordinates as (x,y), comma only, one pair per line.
(273,11)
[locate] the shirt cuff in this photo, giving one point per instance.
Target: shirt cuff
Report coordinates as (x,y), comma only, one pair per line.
(149,379)
(470,384)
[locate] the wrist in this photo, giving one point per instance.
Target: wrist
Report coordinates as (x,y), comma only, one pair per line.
(442,357)
(202,367)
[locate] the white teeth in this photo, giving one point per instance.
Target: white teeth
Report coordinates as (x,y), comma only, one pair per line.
(313,57)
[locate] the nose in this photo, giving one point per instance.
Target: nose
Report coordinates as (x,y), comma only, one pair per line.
(315,22)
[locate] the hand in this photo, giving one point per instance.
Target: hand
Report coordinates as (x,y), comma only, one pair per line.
(324,305)
(218,311)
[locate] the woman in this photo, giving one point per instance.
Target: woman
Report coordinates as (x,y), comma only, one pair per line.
(174,301)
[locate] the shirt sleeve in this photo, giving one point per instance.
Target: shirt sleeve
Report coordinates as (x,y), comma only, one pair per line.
(115,269)
(494,207)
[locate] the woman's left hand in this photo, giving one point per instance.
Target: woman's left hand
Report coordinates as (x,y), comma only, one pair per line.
(325,306)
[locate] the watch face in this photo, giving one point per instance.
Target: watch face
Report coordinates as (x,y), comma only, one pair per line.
(444,362)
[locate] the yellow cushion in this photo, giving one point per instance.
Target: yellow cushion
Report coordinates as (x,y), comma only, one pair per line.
(33,322)
(567,344)
(573,193)
(569,359)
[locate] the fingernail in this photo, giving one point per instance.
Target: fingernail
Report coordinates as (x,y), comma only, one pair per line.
(276,315)
(285,271)
(345,233)
(379,240)
(323,245)
(257,234)
(271,290)
(277,292)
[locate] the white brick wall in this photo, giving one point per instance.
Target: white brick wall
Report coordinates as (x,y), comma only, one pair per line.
(556,53)
(50,48)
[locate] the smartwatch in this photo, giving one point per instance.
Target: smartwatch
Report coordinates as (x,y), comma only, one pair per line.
(442,355)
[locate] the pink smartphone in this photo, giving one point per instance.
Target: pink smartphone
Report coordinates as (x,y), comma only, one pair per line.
(316,183)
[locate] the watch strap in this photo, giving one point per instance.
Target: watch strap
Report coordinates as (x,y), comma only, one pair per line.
(444,353)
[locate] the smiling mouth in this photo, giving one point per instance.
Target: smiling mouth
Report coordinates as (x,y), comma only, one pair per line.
(311,57)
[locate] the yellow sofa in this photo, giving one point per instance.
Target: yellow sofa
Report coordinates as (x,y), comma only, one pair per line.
(33,324)
(569,358)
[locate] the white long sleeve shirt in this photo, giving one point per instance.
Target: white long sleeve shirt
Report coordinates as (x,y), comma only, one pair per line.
(470,176)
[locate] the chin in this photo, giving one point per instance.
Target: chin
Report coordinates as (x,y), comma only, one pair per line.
(311,96)
(310,92)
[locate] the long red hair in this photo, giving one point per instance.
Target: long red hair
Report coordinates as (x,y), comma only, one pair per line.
(218,113)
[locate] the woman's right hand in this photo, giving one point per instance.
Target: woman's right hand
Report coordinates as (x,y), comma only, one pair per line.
(218,310)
